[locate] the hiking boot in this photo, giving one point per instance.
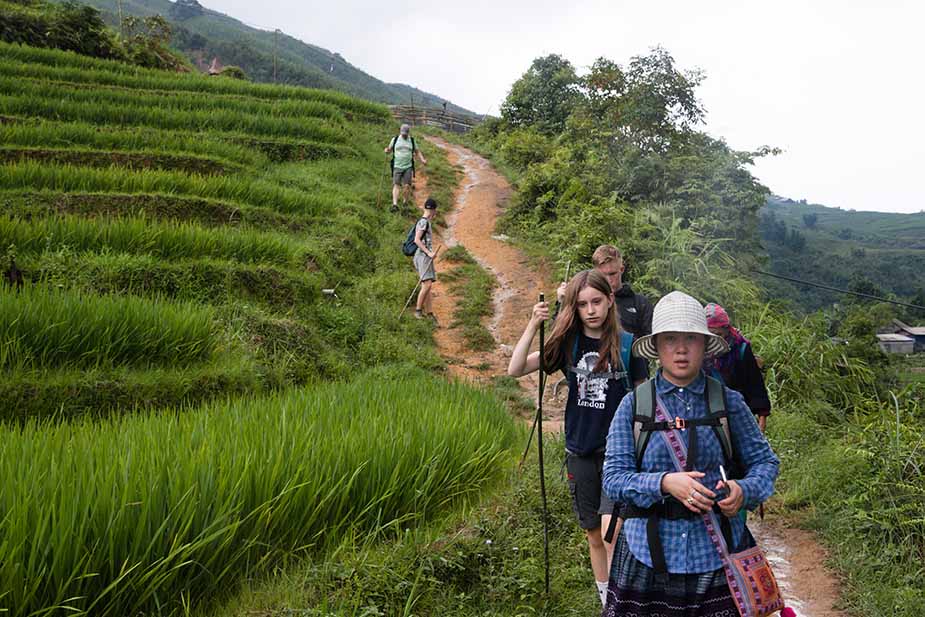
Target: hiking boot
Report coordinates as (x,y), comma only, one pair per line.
(418,314)
(393,208)
(433,318)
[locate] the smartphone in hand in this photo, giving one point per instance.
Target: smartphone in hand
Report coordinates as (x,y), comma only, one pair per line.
(723,493)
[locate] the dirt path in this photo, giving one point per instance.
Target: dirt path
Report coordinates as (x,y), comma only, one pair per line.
(480,199)
(808,587)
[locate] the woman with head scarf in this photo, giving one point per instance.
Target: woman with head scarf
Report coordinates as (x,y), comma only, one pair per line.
(738,368)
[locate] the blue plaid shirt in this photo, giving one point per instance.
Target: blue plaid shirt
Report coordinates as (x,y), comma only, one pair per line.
(686,544)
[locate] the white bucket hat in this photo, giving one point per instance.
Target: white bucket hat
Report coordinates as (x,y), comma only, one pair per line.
(678,312)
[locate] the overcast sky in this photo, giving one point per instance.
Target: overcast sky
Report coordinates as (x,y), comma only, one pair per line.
(836,84)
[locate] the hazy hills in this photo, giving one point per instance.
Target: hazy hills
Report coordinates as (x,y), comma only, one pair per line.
(874,252)
(203,34)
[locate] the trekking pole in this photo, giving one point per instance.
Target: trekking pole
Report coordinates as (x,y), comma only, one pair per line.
(379,193)
(523,458)
(420,280)
(539,447)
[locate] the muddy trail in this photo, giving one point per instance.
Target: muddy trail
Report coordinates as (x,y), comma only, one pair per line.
(809,588)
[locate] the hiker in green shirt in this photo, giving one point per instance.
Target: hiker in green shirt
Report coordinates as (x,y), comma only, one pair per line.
(403,148)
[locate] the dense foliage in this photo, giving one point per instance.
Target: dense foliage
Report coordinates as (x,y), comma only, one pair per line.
(74,26)
(593,152)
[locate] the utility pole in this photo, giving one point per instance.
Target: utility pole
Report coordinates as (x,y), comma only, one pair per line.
(121,20)
(275,53)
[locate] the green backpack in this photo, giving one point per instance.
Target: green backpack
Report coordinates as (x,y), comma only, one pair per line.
(717,417)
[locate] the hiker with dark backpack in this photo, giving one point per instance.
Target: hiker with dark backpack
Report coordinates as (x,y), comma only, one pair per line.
(635,309)
(670,442)
(424,257)
(588,345)
(738,369)
(403,148)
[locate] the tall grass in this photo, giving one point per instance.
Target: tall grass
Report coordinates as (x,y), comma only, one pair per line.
(128,114)
(175,101)
(160,239)
(208,212)
(57,395)
(34,176)
(149,513)
(42,328)
(48,134)
(77,68)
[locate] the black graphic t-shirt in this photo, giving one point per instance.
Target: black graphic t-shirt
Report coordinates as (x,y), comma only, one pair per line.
(593,398)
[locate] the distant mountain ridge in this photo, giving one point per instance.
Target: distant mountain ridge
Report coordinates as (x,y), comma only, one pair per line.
(874,252)
(204,34)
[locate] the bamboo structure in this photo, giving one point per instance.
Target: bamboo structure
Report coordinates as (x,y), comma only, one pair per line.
(446,120)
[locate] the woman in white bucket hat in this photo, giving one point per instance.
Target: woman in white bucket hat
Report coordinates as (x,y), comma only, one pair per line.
(665,562)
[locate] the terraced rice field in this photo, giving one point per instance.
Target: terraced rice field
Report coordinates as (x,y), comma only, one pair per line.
(168,426)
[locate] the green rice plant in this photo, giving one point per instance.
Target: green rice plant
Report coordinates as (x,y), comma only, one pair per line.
(163,240)
(148,514)
(284,150)
(49,134)
(209,281)
(23,85)
(82,157)
(76,68)
(45,328)
(63,394)
(127,114)
(208,212)
(66,178)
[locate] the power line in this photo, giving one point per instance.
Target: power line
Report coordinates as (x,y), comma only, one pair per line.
(836,289)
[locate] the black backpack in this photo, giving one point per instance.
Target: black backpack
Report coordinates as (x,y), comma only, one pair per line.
(392,162)
(409,247)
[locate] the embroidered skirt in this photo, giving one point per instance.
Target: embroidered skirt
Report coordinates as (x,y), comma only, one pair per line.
(635,590)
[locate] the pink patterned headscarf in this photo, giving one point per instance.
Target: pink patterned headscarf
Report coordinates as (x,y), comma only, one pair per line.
(717,317)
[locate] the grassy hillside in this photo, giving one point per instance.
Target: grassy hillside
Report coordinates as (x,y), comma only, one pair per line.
(873,252)
(187,401)
(222,202)
(203,34)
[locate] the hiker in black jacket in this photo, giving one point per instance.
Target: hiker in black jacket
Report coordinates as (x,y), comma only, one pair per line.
(635,309)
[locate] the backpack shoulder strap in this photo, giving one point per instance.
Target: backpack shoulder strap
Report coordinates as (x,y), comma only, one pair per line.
(715,393)
(413,146)
(643,413)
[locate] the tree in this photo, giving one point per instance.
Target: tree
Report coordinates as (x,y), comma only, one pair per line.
(809,220)
(235,72)
(147,40)
(543,97)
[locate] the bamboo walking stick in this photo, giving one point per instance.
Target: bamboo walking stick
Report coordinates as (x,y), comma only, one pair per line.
(539,447)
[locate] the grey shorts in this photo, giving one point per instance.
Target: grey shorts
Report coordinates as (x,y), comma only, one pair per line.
(402,176)
(589,501)
(425,266)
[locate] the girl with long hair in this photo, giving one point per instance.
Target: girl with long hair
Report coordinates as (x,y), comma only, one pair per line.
(588,345)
